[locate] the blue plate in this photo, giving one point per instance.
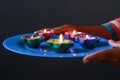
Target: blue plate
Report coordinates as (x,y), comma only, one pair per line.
(15,45)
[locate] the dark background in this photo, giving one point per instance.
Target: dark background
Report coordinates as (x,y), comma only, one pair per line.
(24,16)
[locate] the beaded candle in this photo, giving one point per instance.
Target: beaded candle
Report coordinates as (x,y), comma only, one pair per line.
(32,41)
(72,35)
(60,45)
(88,41)
(46,33)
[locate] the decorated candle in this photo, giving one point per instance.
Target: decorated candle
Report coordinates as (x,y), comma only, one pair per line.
(32,41)
(60,45)
(46,33)
(89,41)
(24,38)
(73,34)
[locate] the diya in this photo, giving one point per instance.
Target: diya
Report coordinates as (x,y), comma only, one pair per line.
(72,35)
(46,33)
(32,41)
(60,45)
(88,41)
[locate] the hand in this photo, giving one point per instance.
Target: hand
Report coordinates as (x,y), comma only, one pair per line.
(110,56)
(63,28)
(60,29)
(42,30)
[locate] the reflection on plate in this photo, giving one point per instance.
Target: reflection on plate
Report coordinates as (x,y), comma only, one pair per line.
(13,44)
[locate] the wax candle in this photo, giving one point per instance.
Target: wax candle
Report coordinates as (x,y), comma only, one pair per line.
(32,41)
(89,41)
(72,35)
(46,33)
(60,45)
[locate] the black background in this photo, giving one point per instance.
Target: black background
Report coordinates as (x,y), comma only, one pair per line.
(24,16)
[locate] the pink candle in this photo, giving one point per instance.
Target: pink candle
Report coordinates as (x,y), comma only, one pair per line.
(73,34)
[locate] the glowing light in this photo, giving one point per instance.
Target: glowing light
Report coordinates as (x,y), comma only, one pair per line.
(74,32)
(61,38)
(87,37)
(45,30)
(32,37)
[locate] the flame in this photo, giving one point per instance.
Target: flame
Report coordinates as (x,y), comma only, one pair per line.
(45,30)
(61,38)
(87,37)
(74,32)
(32,36)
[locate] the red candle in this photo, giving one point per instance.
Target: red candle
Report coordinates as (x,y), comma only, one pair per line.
(46,33)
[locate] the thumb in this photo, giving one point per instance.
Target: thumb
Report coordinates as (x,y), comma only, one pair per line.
(114,43)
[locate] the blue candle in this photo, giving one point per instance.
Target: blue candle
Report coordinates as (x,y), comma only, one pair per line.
(89,42)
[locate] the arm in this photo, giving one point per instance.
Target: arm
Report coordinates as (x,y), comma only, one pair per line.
(109,30)
(97,30)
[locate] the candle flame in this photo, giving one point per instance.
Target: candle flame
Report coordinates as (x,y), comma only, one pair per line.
(74,32)
(45,30)
(32,36)
(87,37)
(61,38)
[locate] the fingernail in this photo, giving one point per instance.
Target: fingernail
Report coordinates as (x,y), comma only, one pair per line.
(86,61)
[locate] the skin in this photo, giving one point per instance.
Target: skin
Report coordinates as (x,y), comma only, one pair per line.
(109,56)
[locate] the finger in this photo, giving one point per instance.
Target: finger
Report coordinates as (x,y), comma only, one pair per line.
(59,30)
(102,55)
(43,30)
(114,43)
(64,28)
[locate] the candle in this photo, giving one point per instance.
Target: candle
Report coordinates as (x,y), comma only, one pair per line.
(88,41)
(46,33)
(74,32)
(60,45)
(32,41)
(72,35)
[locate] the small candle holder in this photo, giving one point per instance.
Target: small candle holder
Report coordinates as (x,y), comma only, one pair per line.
(32,41)
(89,42)
(24,38)
(46,33)
(60,48)
(60,45)
(72,35)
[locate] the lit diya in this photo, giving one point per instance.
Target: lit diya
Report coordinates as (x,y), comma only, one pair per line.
(73,34)
(32,41)
(60,45)
(46,33)
(89,41)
